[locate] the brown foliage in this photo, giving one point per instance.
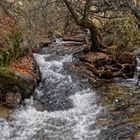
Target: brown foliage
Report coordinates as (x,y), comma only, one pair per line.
(7,25)
(24,66)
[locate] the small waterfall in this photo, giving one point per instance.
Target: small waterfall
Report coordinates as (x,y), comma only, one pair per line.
(63,106)
(138,70)
(133,81)
(138,64)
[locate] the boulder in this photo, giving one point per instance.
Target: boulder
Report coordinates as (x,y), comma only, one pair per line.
(11,82)
(127,68)
(104,67)
(98,58)
(106,74)
(122,32)
(17,82)
(126,57)
(102,62)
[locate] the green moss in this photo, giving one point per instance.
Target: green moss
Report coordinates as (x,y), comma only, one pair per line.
(10,48)
(125,32)
(14,40)
(124,35)
(8,79)
(5,73)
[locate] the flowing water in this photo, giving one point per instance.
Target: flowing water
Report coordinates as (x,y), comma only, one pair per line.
(63,107)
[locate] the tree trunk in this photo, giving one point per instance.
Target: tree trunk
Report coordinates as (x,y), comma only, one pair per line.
(88,24)
(94,39)
(85,23)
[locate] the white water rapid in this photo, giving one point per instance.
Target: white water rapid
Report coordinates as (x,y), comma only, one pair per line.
(63,108)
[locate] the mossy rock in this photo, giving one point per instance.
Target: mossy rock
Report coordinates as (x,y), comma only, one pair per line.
(122,34)
(9,79)
(5,73)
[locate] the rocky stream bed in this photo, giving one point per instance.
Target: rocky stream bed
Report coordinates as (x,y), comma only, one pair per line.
(65,106)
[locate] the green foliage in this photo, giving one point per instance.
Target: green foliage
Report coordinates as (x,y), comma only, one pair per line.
(15,39)
(5,57)
(6,73)
(124,31)
(10,48)
(124,35)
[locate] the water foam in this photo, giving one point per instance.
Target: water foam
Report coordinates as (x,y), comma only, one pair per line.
(69,124)
(77,123)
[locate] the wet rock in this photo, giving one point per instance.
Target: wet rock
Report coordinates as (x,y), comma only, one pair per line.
(120,105)
(92,69)
(100,65)
(117,65)
(82,58)
(118,74)
(102,62)
(4,111)
(105,67)
(13,99)
(95,83)
(121,132)
(127,68)
(138,80)
(16,85)
(93,57)
(137,52)
(126,57)
(2,96)
(44,44)
(103,121)
(107,74)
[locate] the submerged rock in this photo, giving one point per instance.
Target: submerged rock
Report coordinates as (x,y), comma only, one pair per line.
(56,102)
(122,103)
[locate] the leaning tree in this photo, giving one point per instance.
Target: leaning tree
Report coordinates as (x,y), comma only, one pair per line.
(83,11)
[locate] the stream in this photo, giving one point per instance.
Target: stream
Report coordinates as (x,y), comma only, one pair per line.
(65,106)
